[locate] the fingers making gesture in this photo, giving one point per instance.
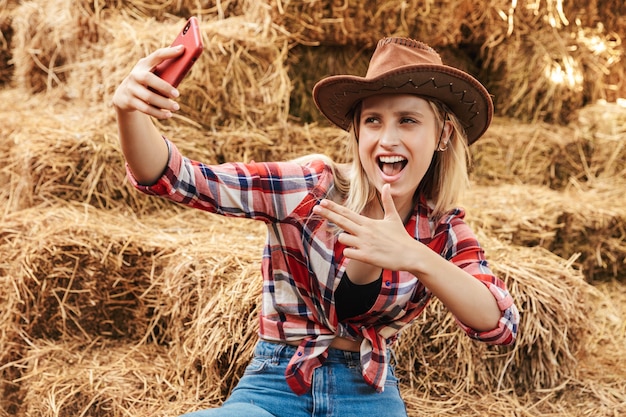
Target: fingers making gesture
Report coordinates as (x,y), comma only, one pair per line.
(379,242)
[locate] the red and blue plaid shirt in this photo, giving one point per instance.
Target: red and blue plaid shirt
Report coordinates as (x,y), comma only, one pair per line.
(303,262)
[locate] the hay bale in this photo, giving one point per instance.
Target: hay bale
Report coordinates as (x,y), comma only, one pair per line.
(554,302)
(84,275)
(203,301)
(569,65)
(109,378)
(541,67)
(239,80)
(535,78)
(594,224)
(518,214)
(601,369)
(54,38)
(212,299)
(192,283)
(533,154)
(362,23)
(600,31)
(65,276)
(590,148)
(64,156)
(46,42)
(601,53)
(605,123)
(588,222)
(78,273)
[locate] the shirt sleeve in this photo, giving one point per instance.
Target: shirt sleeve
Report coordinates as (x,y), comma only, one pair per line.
(261,191)
(462,248)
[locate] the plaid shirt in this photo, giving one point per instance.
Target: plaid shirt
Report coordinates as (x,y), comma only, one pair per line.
(303,262)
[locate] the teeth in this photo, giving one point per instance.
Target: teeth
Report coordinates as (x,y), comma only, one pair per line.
(391,159)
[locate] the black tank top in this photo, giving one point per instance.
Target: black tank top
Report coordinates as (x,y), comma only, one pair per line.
(353,299)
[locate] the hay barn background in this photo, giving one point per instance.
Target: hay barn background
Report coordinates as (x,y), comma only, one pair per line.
(115,304)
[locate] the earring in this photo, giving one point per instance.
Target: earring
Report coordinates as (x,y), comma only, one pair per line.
(443,148)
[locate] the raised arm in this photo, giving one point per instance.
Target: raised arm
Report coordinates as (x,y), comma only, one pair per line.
(140,96)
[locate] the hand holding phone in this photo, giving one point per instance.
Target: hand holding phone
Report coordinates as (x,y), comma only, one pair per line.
(174,70)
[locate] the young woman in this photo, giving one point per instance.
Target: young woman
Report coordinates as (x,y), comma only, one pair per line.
(354,252)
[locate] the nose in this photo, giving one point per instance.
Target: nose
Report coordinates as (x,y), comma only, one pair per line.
(389,136)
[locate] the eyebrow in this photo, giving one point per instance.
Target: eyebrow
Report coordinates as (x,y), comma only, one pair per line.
(400,113)
(414,113)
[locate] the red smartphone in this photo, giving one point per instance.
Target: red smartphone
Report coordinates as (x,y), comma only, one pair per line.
(174,70)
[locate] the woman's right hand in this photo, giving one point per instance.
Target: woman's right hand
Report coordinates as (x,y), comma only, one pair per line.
(144,91)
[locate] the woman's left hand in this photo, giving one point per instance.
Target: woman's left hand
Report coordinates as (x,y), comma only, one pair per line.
(380,242)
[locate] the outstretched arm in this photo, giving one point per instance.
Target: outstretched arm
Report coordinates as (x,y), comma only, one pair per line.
(140,96)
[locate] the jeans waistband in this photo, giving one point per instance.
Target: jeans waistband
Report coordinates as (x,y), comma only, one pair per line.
(278,350)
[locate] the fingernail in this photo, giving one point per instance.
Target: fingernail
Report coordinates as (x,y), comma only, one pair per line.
(175,106)
(175,93)
(179,47)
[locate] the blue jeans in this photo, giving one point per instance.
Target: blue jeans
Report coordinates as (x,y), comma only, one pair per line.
(338,389)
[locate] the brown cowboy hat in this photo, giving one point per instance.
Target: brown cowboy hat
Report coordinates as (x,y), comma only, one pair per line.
(401,65)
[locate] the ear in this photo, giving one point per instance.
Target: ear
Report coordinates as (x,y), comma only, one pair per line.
(445,134)
(447,131)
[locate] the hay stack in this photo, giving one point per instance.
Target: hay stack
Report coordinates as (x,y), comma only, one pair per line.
(70,272)
(154,307)
(362,23)
(64,156)
(549,75)
(547,85)
(589,148)
(46,39)
(504,43)
(569,65)
(533,154)
(588,223)
(92,278)
(240,79)
(552,296)
(108,378)
(192,283)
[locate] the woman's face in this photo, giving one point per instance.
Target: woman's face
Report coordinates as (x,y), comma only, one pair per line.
(398,135)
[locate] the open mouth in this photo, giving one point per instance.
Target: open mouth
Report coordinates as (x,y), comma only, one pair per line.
(391,165)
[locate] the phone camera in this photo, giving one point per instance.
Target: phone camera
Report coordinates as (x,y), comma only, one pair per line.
(186,29)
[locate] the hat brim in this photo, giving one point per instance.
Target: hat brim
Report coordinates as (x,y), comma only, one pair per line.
(336,96)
